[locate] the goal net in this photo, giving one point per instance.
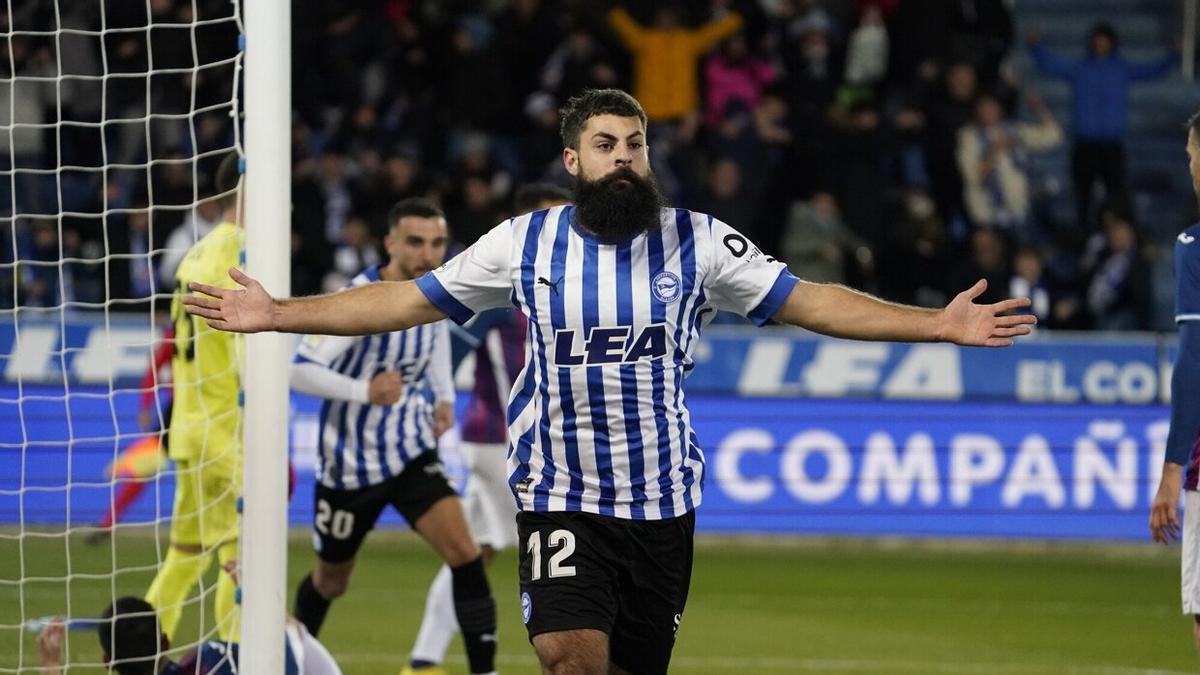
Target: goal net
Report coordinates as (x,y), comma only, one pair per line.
(114,117)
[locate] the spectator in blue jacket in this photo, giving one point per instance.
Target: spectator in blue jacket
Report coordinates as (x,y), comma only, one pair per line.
(1100,86)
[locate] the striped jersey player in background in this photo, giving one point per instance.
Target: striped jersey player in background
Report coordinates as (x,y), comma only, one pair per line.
(603,461)
(1183,439)
(377,443)
(497,338)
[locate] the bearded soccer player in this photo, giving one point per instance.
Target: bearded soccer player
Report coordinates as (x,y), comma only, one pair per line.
(205,429)
(1181,468)
(603,462)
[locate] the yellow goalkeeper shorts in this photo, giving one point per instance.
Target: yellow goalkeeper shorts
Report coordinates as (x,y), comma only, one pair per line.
(206,495)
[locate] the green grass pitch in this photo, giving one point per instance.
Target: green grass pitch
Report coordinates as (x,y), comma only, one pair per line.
(756,606)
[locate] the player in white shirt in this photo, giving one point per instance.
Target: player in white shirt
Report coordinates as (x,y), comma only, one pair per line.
(377,444)
(602,457)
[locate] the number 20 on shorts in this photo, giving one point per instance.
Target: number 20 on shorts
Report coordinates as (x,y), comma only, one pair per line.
(337,524)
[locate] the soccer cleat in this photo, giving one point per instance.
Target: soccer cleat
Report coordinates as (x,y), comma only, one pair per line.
(423,670)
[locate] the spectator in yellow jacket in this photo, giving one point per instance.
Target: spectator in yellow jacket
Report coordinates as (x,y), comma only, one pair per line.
(665,58)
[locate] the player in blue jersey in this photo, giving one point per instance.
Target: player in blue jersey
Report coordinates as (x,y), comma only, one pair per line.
(377,442)
(1181,466)
(497,338)
(133,644)
(603,461)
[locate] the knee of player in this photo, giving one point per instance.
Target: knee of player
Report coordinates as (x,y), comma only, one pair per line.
(461,551)
(488,553)
(331,583)
(561,659)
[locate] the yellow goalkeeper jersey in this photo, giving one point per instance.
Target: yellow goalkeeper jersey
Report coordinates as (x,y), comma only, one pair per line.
(206,420)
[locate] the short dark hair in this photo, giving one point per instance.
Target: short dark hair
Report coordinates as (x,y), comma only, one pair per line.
(416,207)
(130,636)
(226,180)
(530,196)
(1102,28)
(592,102)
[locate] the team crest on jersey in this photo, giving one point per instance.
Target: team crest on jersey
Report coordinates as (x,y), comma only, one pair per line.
(665,286)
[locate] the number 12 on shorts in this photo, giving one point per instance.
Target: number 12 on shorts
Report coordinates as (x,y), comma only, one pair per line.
(558,538)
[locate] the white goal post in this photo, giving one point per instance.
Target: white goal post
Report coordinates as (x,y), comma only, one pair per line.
(267,184)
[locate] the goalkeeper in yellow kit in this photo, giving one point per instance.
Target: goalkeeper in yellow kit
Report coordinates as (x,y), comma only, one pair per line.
(205,429)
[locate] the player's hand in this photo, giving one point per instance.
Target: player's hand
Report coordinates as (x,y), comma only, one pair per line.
(1164,511)
(385,388)
(965,323)
(249,309)
(443,418)
(50,643)
(231,568)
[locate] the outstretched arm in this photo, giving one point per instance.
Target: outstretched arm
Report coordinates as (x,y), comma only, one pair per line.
(1151,70)
(372,308)
(1046,61)
(842,312)
(714,31)
(627,28)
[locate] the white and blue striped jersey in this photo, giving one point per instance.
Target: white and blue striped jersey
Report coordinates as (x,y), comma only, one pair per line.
(596,420)
(360,444)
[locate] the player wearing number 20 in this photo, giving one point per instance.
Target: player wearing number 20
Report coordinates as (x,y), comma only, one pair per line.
(603,462)
(378,442)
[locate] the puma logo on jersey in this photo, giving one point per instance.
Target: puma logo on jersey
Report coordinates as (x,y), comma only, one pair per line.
(523,486)
(1185,238)
(605,345)
(543,281)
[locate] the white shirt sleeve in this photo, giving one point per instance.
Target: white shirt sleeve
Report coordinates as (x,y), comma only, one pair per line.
(311,656)
(474,280)
(441,376)
(311,373)
(743,279)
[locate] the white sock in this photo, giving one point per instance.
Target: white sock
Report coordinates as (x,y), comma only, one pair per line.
(439,624)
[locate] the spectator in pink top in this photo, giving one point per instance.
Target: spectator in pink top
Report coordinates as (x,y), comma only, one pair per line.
(734,74)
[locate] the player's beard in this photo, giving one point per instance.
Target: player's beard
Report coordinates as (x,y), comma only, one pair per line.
(618,206)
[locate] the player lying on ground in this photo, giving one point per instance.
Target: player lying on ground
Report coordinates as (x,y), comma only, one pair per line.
(603,461)
(132,644)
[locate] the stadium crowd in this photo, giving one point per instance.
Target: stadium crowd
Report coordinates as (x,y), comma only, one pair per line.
(882,143)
